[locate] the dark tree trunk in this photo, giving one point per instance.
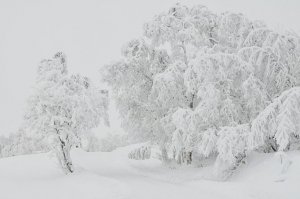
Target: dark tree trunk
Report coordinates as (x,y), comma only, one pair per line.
(64,157)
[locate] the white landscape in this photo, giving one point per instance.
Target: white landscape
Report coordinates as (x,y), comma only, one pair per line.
(113,175)
(146,100)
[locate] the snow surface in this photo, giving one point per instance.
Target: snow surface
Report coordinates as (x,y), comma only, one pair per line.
(111,175)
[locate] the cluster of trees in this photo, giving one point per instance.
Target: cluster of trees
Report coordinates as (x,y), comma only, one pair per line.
(218,85)
(197,84)
(21,143)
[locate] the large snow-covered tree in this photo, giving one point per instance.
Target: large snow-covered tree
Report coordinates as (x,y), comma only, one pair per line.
(196,80)
(63,107)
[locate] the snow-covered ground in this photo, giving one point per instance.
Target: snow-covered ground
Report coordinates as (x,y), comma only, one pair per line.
(110,175)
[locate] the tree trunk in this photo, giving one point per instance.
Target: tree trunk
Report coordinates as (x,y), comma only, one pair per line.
(164,155)
(183,157)
(63,154)
(189,157)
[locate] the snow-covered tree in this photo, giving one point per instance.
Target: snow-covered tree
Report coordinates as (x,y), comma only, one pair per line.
(63,107)
(131,81)
(4,141)
(213,73)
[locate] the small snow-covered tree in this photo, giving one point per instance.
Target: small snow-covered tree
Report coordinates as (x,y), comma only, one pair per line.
(4,141)
(141,153)
(63,107)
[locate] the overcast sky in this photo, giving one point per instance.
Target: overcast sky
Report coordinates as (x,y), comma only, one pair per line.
(91,33)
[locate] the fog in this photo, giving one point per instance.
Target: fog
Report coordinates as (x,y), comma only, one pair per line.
(91,33)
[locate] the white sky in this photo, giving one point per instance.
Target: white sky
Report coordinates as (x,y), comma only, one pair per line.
(91,33)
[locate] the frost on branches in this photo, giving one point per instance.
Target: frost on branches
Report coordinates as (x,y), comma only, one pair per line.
(63,107)
(196,81)
(231,147)
(278,122)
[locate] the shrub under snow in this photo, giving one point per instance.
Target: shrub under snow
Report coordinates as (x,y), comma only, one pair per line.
(141,153)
